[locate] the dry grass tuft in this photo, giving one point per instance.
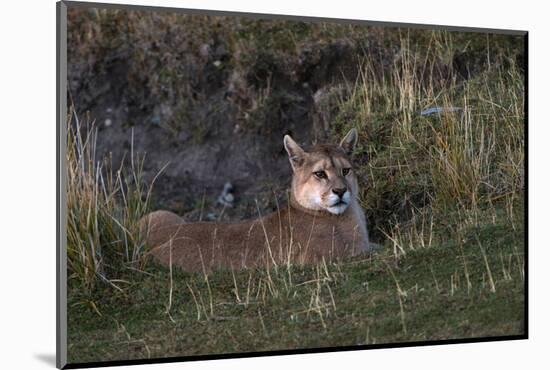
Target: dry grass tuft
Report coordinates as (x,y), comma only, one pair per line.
(104,206)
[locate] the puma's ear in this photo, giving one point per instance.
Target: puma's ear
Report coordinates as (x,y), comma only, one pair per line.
(349,141)
(295,153)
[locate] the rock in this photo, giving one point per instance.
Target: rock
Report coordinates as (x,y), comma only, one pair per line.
(437,110)
(204,51)
(155,120)
(226,198)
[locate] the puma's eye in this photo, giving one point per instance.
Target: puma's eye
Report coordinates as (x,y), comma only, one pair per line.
(345,171)
(320,174)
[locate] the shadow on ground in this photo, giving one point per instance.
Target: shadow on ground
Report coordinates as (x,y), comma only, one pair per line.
(47,358)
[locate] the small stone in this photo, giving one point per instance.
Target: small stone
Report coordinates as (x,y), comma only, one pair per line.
(229,198)
(204,50)
(108,122)
(438,110)
(226,198)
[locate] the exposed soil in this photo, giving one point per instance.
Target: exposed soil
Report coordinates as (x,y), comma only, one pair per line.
(212,97)
(212,142)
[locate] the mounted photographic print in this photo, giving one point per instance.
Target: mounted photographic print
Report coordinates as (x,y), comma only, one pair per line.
(236,184)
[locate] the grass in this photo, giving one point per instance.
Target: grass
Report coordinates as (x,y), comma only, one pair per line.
(443,193)
(446,291)
(104,206)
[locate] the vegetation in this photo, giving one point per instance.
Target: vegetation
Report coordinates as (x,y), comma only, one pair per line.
(104,207)
(443,190)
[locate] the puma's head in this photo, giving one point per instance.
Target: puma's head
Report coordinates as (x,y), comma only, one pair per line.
(323,177)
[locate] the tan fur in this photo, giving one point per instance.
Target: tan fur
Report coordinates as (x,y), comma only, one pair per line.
(305,231)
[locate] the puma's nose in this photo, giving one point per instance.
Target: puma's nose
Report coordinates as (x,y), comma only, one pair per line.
(340,192)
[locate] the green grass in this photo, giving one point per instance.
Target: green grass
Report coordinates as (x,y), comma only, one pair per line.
(432,293)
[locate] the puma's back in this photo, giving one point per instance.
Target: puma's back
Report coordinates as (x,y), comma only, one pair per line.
(323,220)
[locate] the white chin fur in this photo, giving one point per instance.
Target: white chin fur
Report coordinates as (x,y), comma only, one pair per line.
(316,203)
(339,209)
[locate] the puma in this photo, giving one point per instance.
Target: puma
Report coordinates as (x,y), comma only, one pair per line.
(323,220)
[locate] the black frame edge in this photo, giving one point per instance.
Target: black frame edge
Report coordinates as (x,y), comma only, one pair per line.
(163,360)
(526,179)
